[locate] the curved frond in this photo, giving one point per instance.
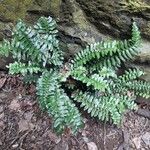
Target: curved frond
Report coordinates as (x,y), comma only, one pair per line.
(140,88)
(23,68)
(53,99)
(108,54)
(130,75)
(5,48)
(105,107)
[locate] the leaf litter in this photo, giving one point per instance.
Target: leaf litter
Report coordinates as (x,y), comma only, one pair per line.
(24,126)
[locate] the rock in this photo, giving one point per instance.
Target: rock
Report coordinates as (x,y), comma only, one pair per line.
(77,31)
(116,17)
(146,138)
(92,146)
(15,145)
(12,10)
(144,55)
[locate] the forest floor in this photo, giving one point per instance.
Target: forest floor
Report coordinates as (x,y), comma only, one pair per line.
(23,126)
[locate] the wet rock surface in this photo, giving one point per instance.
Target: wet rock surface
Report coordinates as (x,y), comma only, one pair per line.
(116,17)
(82,22)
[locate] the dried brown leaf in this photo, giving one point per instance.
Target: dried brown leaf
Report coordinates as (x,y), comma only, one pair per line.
(14,105)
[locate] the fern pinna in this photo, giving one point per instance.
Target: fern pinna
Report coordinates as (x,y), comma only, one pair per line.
(104,94)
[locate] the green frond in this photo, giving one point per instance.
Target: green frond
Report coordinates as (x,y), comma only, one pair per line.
(23,68)
(95,80)
(48,42)
(125,52)
(140,88)
(23,43)
(130,75)
(107,72)
(53,99)
(104,107)
(38,44)
(46,26)
(5,48)
(136,37)
(108,53)
(94,51)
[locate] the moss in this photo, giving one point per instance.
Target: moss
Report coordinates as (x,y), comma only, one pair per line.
(146,29)
(55,7)
(135,5)
(52,6)
(12,10)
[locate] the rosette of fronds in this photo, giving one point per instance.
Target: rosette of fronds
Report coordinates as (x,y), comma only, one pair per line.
(90,77)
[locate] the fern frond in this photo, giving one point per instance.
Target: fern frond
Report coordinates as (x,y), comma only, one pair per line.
(46,25)
(130,75)
(140,88)
(49,44)
(23,68)
(5,48)
(104,107)
(53,99)
(38,44)
(95,80)
(108,54)
(23,43)
(136,37)
(126,51)
(94,51)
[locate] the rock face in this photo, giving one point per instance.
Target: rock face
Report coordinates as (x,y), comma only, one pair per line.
(115,16)
(82,22)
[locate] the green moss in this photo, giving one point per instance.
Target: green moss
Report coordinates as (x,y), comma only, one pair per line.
(135,5)
(146,29)
(55,7)
(14,9)
(52,6)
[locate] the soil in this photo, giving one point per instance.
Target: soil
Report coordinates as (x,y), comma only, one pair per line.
(23,125)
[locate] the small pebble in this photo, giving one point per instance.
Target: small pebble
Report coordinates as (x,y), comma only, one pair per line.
(15,145)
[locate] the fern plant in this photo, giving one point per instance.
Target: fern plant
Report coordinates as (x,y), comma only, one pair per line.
(91,76)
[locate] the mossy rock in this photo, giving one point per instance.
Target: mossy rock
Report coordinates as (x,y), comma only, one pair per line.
(12,10)
(115,17)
